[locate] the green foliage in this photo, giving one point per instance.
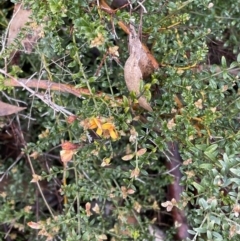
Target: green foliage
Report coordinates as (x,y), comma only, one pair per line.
(198,109)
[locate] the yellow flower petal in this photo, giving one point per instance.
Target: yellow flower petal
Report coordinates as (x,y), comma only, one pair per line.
(92,124)
(107,126)
(113,134)
(99,131)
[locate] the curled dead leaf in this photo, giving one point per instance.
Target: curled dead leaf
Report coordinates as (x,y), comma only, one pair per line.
(147,63)
(69,146)
(71,119)
(96,208)
(199,104)
(141,152)
(128,157)
(137,67)
(113,51)
(135,173)
(88,209)
(34,225)
(171,124)
(169,204)
(137,207)
(97,41)
(106,162)
(66,155)
(126,191)
(36,178)
(102,237)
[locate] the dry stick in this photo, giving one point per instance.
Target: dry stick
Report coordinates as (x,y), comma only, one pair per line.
(33,172)
(48,85)
(175,191)
(39,187)
(46,99)
(45,84)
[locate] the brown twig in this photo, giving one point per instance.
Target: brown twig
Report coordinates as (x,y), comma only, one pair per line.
(48,85)
(175,190)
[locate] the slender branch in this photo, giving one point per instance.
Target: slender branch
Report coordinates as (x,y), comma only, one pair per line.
(175,191)
(48,85)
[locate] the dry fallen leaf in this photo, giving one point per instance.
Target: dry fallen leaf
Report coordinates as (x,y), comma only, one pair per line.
(36,178)
(69,146)
(147,63)
(97,41)
(128,157)
(135,173)
(102,237)
(34,225)
(187,162)
(134,67)
(113,51)
(141,152)
(34,155)
(169,204)
(88,209)
(19,19)
(199,104)
(171,124)
(126,191)
(96,208)
(137,206)
(27,209)
(7,109)
(106,162)
(66,155)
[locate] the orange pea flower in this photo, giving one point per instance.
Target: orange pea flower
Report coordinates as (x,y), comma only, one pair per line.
(103,129)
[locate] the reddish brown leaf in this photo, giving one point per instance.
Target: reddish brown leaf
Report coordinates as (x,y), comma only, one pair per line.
(69,146)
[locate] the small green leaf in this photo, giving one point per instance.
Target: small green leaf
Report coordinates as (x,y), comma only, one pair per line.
(211,148)
(238,58)
(191,232)
(217,235)
(198,187)
(86,236)
(225,157)
(233,65)
(211,152)
(223,62)
(235,171)
(201,147)
(203,203)
(214,204)
(144,172)
(211,155)
(209,235)
(200,230)
(206,166)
